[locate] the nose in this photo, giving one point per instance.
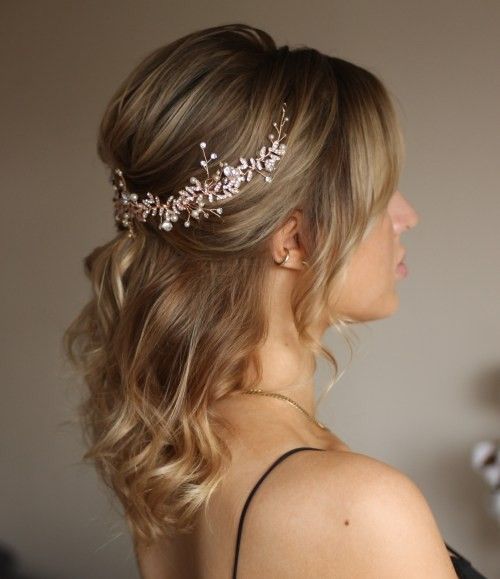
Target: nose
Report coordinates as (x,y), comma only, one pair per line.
(404,214)
(412,217)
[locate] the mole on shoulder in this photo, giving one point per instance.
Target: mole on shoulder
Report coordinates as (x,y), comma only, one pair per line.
(346,522)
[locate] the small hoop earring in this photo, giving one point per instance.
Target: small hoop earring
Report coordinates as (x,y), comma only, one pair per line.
(285,259)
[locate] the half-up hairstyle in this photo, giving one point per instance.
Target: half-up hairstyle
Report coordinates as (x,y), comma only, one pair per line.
(175,318)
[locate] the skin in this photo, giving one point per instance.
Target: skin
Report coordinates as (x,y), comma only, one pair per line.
(369,293)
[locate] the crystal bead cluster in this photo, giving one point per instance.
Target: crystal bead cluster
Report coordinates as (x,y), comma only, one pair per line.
(191,199)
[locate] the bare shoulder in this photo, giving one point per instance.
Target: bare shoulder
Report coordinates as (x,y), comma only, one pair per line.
(345,514)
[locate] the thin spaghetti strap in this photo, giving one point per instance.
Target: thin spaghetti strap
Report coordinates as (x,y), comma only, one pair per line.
(251,494)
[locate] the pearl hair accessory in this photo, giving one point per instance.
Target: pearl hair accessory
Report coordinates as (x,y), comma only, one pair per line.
(191,199)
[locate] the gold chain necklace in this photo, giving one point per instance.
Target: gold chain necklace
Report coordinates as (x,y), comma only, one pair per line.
(289,400)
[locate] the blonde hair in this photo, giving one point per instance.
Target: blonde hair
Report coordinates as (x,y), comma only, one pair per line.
(175,318)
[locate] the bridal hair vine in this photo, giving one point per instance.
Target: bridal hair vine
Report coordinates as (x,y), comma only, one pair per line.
(224,183)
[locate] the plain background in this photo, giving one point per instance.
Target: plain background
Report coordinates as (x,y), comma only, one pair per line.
(425,384)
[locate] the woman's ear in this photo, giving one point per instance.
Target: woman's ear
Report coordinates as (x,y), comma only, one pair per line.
(288,240)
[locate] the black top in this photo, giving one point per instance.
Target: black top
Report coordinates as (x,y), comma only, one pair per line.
(463,567)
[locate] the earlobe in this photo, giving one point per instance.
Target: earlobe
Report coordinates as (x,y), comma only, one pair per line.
(285,259)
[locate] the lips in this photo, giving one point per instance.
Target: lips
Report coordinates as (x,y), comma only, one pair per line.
(401,269)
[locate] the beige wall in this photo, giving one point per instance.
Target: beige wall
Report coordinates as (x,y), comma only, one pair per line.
(426,383)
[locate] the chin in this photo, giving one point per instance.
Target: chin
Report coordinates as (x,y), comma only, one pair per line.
(391,306)
(382,309)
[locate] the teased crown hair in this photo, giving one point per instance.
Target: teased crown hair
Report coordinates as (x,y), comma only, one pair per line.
(190,200)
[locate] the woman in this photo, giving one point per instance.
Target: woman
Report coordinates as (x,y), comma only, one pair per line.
(256,203)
